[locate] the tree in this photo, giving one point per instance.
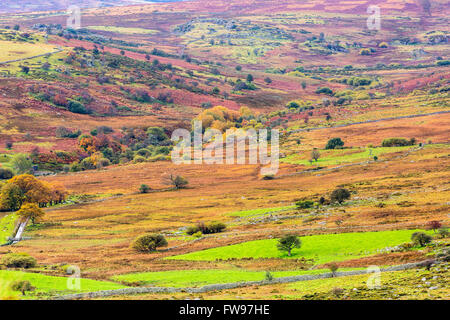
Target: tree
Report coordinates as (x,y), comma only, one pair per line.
(25,69)
(421,239)
(31,211)
(250,78)
(11,197)
(289,242)
(304,85)
(268,80)
(434,225)
(21,163)
(334,143)
(315,154)
(333,268)
(149,243)
(22,286)
(34,190)
(178,182)
(339,195)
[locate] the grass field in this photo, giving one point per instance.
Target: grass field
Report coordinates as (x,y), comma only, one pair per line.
(255,212)
(193,278)
(21,50)
(336,157)
(7,224)
(50,285)
(321,248)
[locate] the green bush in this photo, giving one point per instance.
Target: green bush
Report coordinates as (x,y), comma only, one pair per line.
(149,243)
(334,143)
(421,239)
(304,204)
(398,142)
(18,260)
(144,188)
(6,174)
(339,195)
(77,107)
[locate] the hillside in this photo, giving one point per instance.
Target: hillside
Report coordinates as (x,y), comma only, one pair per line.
(362,115)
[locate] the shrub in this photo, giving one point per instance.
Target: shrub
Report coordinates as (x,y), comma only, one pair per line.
(364,52)
(289,242)
(139,159)
(443,233)
(63,132)
(22,286)
(304,204)
(269,276)
(6,174)
(18,260)
(398,142)
(144,188)
(77,107)
(334,143)
(324,90)
(216,227)
(337,292)
(339,195)
(421,239)
(213,227)
(149,243)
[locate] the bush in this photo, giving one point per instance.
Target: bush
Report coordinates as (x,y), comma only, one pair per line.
(324,90)
(6,174)
(398,142)
(334,143)
(77,107)
(216,227)
(269,276)
(304,204)
(421,239)
(144,188)
(149,243)
(18,260)
(213,227)
(443,233)
(339,195)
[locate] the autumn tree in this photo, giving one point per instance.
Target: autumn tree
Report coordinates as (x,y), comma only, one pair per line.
(31,211)
(11,197)
(33,190)
(434,225)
